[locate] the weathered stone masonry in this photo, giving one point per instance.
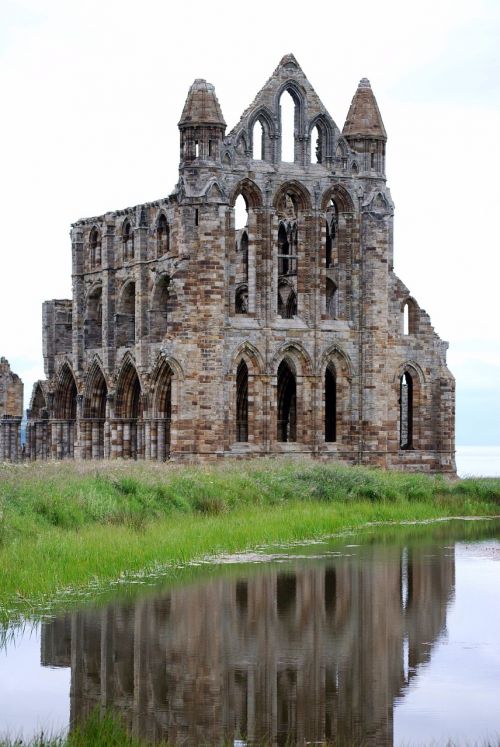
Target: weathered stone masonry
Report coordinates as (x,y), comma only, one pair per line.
(11,412)
(190,335)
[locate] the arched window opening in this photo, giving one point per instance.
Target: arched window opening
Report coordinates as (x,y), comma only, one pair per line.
(287,114)
(65,396)
(125,318)
(128,395)
(406,411)
(243,248)
(354,168)
(287,403)
(94,414)
(330,405)
(410,317)
(242,402)
(162,412)
(328,246)
(163,236)
(240,213)
(287,301)
(258,141)
(196,149)
(95,399)
(331,299)
(316,145)
(95,248)
(128,241)
(38,408)
(331,220)
(93,319)
(241,300)
(287,248)
(161,307)
(63,439)
(129,409)
(283,250)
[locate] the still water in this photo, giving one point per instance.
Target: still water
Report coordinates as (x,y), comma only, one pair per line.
(388,637)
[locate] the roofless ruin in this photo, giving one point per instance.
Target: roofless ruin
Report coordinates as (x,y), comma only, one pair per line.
(192,334)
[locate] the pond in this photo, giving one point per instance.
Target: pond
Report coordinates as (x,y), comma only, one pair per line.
(386,637)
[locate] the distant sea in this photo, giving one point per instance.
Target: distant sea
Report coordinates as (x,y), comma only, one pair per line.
(478,461)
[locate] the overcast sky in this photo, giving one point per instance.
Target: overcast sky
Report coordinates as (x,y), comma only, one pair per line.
(92,90)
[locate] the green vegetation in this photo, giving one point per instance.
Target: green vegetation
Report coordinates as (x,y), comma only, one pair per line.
(107,730)
(68,529)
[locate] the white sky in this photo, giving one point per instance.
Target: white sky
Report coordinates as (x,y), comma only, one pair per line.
(92,90)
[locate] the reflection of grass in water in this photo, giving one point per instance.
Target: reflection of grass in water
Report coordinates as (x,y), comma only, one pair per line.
(107,730)
(76,526)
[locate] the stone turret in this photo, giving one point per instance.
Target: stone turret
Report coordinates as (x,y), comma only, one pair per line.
(202,125)
(364,129)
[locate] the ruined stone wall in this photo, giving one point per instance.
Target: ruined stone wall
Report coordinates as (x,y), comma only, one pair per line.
(181,342)
(11,412)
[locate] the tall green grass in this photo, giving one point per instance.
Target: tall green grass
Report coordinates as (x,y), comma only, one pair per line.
(76,526)
(107,730)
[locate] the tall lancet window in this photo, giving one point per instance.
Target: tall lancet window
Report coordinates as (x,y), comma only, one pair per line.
(287,111)
(330,405)
(242,402)
(287,403)
(406,411)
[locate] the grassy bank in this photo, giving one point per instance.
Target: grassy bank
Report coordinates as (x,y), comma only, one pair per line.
(74,525)
(108,731)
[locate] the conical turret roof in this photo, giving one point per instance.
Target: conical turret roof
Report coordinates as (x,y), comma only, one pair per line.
(364,116)
(202,106)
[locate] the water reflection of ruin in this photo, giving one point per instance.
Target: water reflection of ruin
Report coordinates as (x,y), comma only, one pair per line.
(315,653)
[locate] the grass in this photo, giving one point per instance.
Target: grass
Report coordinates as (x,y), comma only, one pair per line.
(70,528)
(107,730)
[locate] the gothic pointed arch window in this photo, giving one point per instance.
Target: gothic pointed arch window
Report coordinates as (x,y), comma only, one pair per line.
(95,248)
(128,242)
(93,319)
(162,236)
(316,145)
(242,402)
(125,317)
(288,118)
(287,403)
(330,404)
(258,141)
(162,303)
(331,224)
(410,317)
(162,412)
(406,411)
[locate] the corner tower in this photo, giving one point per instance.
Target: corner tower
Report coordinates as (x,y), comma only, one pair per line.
(202,126)
(364,129)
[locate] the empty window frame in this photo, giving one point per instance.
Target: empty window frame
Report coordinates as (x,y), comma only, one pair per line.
(287,403)
(162,236)
(330,405)
(242,402)
(406,411)
(95,248)
(128,241)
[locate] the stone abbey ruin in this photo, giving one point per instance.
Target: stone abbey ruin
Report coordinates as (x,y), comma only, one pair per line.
(190,336)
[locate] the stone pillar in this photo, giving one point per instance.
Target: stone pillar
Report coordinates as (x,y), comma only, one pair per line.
(373,339)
